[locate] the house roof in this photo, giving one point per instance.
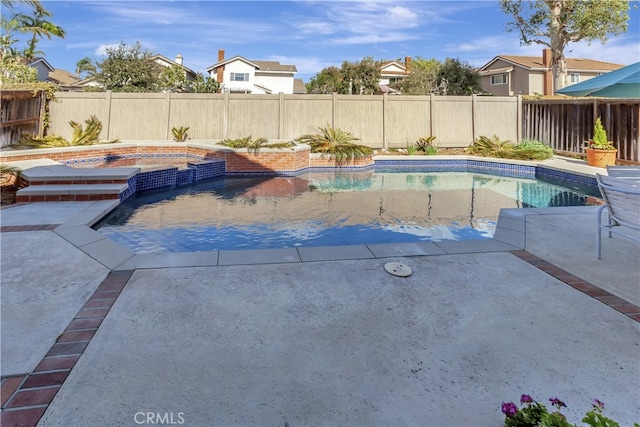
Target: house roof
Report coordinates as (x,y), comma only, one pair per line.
(387,68)
(275,66)
(63,77)
(170,62)
(265,66)
(35,60)
(573,64)
(299,86)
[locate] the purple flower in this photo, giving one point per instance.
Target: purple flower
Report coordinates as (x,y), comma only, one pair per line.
(509,409)
(598,404)
(557,402)
(525,398)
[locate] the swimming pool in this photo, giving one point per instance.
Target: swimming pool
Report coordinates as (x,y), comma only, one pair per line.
(326,209)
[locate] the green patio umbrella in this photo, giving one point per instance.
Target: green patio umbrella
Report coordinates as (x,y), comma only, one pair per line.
(621,83)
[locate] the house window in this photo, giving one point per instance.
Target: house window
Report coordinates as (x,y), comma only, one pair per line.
(239,77)
(574,78)
(499,79)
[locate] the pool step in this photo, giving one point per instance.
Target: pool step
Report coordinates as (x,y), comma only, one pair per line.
(59,183)
(70,192)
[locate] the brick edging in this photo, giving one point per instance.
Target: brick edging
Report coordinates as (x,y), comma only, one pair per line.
(26,397)
(623,306)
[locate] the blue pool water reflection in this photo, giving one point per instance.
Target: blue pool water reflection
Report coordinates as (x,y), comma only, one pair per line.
(325,209)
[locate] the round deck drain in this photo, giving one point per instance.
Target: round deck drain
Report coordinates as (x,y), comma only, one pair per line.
(398,269)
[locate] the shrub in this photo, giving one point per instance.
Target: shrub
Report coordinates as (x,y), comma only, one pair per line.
(255,144)
(336,143)
(412,149)
(426,145)
(532,149)
(528,149)
(491,147)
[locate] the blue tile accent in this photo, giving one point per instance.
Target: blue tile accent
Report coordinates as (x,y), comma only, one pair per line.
(131,188)
(185,177)
(160,178)
(588,184)
(206,169)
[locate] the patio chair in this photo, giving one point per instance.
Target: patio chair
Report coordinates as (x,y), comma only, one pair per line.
(622,202)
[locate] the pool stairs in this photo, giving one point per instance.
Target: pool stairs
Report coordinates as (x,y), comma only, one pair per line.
(56,183)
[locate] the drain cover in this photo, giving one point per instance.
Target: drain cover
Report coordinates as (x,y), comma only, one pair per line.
(398,269)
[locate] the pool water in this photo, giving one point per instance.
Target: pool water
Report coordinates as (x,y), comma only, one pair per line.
(326,209)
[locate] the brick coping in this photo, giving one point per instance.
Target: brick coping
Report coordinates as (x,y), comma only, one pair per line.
(26,397)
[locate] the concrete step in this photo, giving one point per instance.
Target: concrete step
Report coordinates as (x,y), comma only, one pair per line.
(62,174)
(70,192)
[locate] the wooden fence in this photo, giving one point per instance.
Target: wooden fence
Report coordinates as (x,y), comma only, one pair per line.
(380,121)
(565,125)
(20,114)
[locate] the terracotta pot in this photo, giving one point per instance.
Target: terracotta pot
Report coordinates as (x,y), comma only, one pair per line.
(600,158)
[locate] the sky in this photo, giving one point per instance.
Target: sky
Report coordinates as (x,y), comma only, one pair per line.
(311,35)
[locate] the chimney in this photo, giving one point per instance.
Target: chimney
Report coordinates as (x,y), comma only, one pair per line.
(547,80)
(407,64)
(220,69)
(179,59)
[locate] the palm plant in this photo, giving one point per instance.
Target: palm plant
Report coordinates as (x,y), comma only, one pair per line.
(336,143)
(491,147)
(88,136)
(180,134)
(38,26)
(7,172)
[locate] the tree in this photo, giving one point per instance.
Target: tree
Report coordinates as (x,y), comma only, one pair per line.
(457,78)
(362,77)
(328,80)
(86,65)
(39,26)
(173,79)
(556,23)
(422,79)
(204,84)
(128,69)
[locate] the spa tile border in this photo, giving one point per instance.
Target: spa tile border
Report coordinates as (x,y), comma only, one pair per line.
(625,307)
(26,397)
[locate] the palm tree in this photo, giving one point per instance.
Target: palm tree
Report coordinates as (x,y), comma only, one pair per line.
(39,26)
(11,4)
(86,65)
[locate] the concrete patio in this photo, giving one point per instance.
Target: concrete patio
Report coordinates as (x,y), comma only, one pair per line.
(322,336)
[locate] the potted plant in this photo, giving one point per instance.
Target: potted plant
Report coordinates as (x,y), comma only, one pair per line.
(600,151)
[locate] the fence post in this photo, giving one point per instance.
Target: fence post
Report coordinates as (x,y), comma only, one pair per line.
(334,101)
(167,107)
(432,102)
(280,115)
(519,119)
(107,125)
(225,115)
(474,112)
(43,108)
(385,116)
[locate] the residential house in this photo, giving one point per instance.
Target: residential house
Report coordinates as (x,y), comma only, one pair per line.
(189,74)
(42,67)
(508,75)
(393,71)
(241,75)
